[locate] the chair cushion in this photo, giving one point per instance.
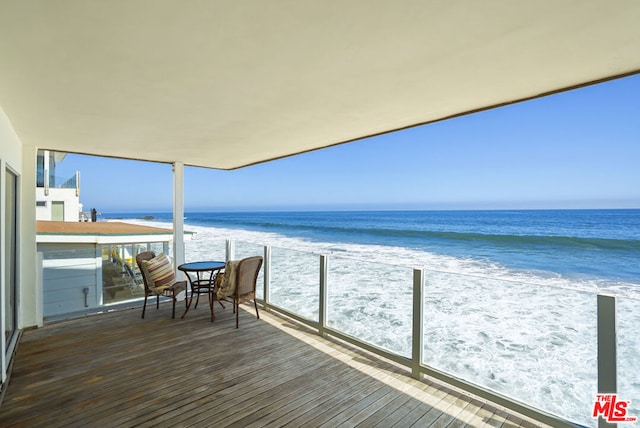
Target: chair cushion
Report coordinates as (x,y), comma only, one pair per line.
(160,272)
(227,286)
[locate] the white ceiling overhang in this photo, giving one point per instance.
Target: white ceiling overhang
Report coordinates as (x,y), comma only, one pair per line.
(225,84)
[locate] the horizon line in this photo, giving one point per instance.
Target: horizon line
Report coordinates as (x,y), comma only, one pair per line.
(265,210)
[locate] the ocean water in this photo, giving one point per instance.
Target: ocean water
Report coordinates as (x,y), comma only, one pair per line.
(510,297)
(596,247)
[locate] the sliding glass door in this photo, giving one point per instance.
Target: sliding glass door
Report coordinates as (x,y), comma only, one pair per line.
(11,286)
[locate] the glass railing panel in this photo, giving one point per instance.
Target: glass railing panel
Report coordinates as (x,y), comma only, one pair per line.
(157,247)
(69,183)
(69,279)
(196,251)
(628,327)
(371,302)
(121,277)
(295,282)
(40,178)
(243,249)
(535,344)
(76,278)
(121,280)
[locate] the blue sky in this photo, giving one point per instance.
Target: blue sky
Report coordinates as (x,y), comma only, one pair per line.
(578,149)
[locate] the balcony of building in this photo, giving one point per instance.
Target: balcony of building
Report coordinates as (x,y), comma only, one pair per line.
(116,369)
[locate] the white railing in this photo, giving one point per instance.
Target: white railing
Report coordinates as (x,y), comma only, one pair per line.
(410,301)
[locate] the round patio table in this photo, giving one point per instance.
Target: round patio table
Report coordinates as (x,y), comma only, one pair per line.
(202,277)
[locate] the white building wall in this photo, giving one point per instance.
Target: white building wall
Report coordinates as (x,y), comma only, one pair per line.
(72,206)
(42,212)
(21,161)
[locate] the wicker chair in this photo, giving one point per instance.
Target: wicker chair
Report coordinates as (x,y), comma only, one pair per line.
(242,280)
(170,291)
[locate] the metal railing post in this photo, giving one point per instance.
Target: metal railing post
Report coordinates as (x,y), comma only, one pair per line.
(322,310)
(230,250)
(39,298)
(607,350)
(267,277)
(418,317)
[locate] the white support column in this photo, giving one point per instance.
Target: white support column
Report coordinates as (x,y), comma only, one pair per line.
(123,258)
(178,215)
(418,317)
(29,297)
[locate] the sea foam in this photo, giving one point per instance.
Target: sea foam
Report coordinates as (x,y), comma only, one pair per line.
(528,335)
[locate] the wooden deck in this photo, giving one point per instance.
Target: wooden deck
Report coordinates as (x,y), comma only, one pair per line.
(118,370)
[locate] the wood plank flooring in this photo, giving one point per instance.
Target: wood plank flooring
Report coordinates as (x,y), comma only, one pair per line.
(118,370)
